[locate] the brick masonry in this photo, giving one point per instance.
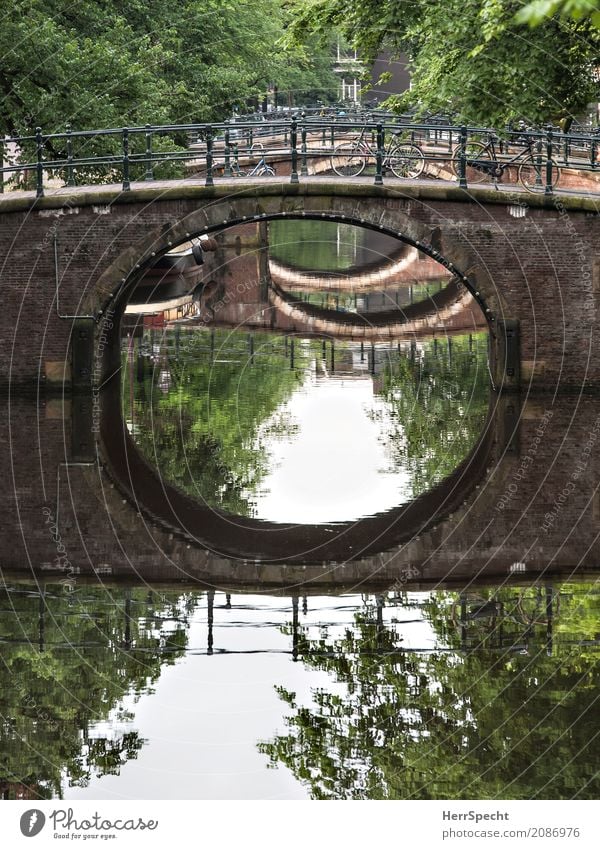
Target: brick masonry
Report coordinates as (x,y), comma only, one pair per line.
(533,260)
(535,508)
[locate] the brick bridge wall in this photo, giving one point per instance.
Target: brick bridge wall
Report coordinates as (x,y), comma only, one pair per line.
(532,259)
(536,506)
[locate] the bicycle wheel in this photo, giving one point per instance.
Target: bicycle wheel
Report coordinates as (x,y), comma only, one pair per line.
(532,174)
(347,160)
(479,163)
(406,160)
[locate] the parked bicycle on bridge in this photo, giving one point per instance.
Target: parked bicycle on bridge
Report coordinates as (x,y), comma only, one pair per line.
(261,169)
(404,159)
(483,163)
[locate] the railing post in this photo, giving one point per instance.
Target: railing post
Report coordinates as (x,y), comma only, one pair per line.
(593,152)
(126,183)
(227,169)
(236,159)
(39,144)
(70,175)
(548,187)
(209,157)
(303,164)
(294,147)
(1,164)
(538,163)
(149,169)
(379,156)
(462,159)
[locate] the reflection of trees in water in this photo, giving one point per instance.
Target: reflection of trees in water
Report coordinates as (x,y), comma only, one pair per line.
(438,401)
(68,661)
(211,426)
(489,717)
(202,432)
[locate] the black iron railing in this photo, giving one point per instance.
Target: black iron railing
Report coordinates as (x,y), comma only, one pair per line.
(300,144)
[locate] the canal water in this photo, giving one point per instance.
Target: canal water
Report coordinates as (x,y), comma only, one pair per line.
(298,430)
(129,693)
(465,673)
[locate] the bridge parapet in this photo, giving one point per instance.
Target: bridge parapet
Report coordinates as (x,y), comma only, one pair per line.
(468,154)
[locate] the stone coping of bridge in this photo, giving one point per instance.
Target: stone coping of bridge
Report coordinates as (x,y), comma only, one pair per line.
(230,188)
(325,580)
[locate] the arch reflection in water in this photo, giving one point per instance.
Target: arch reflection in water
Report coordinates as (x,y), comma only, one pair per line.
(349,269)
(289,429)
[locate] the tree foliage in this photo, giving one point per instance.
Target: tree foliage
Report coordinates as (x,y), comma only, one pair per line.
(206,430)
(209,412)
(538,11)
(473,58)
(106,65)
(438,407)
(68,661)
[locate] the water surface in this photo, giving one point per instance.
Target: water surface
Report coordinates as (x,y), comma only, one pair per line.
(288,429)
(130,693)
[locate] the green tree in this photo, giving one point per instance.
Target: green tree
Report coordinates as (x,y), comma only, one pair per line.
(68,660)
(536,12)
(472,58)
(96,66)
(438,405)
(205,431)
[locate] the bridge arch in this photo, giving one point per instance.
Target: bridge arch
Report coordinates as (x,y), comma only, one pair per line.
(384,215)
(392,273)
(219,533)
(456,257)
(239,537)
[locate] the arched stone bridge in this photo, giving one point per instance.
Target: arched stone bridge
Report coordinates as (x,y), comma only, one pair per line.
(71,257)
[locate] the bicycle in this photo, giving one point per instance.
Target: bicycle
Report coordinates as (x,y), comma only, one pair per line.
(404,159)
(482,163)
(261,169)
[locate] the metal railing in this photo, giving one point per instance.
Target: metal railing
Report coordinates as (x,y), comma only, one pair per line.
(151,152)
